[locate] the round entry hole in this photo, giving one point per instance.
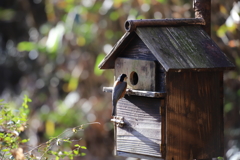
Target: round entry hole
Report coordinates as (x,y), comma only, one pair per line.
(134,78)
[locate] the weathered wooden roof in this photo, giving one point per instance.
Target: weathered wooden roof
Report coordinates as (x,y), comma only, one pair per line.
(175,47)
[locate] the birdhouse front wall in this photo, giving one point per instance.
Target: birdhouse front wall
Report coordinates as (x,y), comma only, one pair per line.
(141,73)
(143,134)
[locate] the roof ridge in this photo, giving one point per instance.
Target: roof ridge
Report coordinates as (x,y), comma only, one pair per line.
(131,25)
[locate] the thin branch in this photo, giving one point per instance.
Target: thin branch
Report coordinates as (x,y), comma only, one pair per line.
(61,137)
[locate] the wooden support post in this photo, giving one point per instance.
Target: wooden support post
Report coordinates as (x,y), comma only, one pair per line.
(202,9)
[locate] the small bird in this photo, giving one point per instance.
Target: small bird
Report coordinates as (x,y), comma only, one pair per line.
(119,90)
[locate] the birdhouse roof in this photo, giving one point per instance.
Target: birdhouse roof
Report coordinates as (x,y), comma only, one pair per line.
(175,48)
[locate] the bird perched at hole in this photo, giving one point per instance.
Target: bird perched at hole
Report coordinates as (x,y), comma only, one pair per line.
(119,90)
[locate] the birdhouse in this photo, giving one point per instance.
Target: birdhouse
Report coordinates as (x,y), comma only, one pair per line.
(173,107)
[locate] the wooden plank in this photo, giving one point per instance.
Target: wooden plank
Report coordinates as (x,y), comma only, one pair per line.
(126,154)
(139,93)
(131,25)
(141,133)
(221,113)
(141,73)
(163,128)
(194,116)
(138,50)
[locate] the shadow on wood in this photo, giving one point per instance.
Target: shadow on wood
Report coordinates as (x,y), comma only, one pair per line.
(141,133)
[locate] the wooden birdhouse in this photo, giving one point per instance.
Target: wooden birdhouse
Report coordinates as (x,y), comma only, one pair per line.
(173,108)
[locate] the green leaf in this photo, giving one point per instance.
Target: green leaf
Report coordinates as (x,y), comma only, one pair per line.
(23,119)
(83,154)
(5,150)
(15,119)
(97,71)
(7,139)
(228,107)
(76,145)
(26,46)
(65,152)
(140,17)
(114,15)
(73,83)
(83,147)
(76,152)
(24,140)
(66,140)
(162,1)
(133,12)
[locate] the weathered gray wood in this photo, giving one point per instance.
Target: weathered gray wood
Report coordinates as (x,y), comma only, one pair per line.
(145,71)
(131,25)
(139,93)
(175,48)
(126,154)
(185,47)
(141,133)
(139,51)
(136,49)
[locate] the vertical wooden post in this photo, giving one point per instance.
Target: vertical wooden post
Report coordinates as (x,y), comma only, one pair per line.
(202,9)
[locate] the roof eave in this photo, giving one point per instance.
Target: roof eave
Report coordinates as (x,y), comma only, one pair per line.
(200,69)
(109,60)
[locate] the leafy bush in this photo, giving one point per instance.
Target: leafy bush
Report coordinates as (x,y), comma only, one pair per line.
(14,121)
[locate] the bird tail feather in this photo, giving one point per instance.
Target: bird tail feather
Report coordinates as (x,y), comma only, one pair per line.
(114,108)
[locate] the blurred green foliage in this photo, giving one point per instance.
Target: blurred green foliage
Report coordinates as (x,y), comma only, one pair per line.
(6,14)
(15,120)
(26,46)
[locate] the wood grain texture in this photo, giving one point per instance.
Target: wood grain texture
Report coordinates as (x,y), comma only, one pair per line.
(138,50)
(194,115)
(174,47)
(141,133)
(139,93)
(144,69)
(126,154)
(183,47)
(131,25)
